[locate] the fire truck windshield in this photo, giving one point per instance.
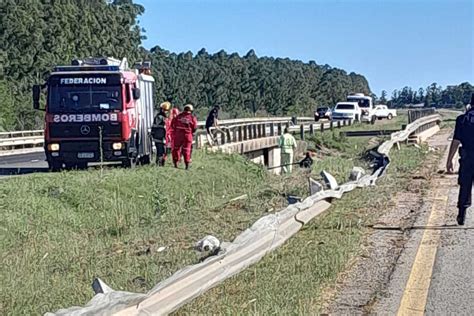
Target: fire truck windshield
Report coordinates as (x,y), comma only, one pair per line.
(81,98)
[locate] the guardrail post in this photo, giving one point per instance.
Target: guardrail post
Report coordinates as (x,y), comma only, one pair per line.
(196,140)
(239,133)
(311,129)
(246,132)
(331,125)
(279,128)
(322,127)
(302,131)
(264,129)
(338,124)
(223,137)
(272,129)
(254,131)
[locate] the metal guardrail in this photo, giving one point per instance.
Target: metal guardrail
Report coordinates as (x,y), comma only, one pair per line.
(255,130)
(233,130)
(415,114)
(20,141)
(266,234)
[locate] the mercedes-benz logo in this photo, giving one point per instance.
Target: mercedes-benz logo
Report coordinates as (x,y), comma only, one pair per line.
(85,129)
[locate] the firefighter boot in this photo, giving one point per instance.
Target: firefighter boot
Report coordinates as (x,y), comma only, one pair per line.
(461,216)
(188,165)
(161,161)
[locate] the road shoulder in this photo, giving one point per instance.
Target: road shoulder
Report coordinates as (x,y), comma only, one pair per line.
(360,288)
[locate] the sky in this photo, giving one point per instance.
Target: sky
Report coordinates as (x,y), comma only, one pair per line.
(392,43)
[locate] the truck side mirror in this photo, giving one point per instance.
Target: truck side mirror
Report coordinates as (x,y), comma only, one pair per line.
(36,96)
(136,93)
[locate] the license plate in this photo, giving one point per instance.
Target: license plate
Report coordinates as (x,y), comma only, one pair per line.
(85,155)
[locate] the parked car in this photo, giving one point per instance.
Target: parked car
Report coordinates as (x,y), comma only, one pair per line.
(381,111)
(347,111)
(322,112)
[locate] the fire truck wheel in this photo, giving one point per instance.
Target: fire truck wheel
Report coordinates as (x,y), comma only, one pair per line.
(55,166)
(145,160)
(129,163)
(82,165)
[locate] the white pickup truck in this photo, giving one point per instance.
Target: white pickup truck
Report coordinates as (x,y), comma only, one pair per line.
(381,111)
(347,111)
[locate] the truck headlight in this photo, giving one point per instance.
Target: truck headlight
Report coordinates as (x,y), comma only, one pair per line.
(117,146)
(53,147)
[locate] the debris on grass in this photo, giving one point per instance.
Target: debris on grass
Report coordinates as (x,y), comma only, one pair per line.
(356,173)
(329,180)
(314,186)
(207,244)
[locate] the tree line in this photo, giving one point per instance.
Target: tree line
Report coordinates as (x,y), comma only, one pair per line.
(249,85)
(36,35)
(454,96)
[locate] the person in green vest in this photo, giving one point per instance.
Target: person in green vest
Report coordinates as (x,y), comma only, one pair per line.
(287,143)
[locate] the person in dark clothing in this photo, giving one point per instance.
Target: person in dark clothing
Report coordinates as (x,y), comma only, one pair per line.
(307,162)
(464,136)
(158,131)
(212,121)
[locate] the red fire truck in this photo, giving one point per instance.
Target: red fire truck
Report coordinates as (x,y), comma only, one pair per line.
(97,110)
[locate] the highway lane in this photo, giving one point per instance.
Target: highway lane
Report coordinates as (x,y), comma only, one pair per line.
(28,158)
(30,163)
(23,164)
(434,274)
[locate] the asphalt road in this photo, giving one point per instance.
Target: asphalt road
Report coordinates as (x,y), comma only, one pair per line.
(435,273)
(23,164)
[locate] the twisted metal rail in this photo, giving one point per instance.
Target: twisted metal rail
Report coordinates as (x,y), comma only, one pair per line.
(266,234)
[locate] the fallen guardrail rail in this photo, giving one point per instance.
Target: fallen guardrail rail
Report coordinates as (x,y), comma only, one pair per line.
(266,234)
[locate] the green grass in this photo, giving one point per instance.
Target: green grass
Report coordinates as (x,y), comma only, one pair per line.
(291,279)
(395,123)
(449,118)
(59,231)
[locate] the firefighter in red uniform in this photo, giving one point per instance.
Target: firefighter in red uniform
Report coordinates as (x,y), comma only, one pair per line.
(169,130)
(184,126)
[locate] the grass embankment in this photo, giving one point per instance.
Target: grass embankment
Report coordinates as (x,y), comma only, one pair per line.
(59,231)
(383,124)
(291,279)
(449,118)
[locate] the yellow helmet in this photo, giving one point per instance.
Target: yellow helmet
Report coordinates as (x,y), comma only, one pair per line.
(166,106)
(189,107)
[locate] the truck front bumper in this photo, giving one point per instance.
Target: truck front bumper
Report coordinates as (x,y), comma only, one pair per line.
(75,152)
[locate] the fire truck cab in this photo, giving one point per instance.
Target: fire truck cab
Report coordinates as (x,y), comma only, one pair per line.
(97,110)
